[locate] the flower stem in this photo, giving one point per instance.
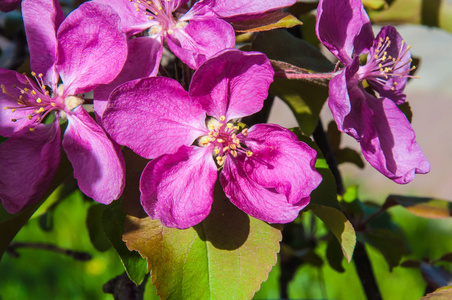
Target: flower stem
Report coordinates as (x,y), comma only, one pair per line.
(292,75)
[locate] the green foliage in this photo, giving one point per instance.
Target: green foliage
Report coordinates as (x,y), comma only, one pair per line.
(305,98)
(422,206)
(227,256)
(113,224)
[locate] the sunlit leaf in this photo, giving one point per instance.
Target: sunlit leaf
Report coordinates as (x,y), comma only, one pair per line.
(305,98)
(422,206)
(227,256)
(273,20)
(374,4)
(113,225)
(339,225)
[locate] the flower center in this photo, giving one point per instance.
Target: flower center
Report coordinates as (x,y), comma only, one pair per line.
(160,15)
(381,66)
(224,138)
(37,100)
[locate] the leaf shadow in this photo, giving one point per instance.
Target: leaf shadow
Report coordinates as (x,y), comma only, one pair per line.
(226,227)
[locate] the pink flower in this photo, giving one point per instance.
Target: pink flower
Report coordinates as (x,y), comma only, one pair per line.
(192,34)
(265,170)
(84,50)
(387,140)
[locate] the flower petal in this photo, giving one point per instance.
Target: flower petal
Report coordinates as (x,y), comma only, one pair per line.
(153,116)
(254,199)
(194,48)
(338,25)
(143,59)
(9,5)
(340,102)
(41,20)
(233,84)
(12,82)
(98,163)
(132,21)
(178,188)
(28,164)
(239,10)
(92,49)
(389,143)
(281,162)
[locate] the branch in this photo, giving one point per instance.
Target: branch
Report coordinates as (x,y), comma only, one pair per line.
(12,250)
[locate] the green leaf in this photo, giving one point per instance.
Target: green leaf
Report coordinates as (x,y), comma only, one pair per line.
(334,255)
(273,20)
(422,206)
(304,98)
(375,4)
(339,225)
(95,228)
(227,256)
(391,243)
(113,225)
(432,13)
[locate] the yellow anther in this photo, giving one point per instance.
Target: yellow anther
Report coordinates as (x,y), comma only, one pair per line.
(12,110)
(225,148)
(220,140)
(234,153)
(31,129)
(30,117)
(229,125)
(222,118)
(33,92)
(249,153)
(211,127)
(380,65)
(376,56)
(151,18)
(13,120)
(395,83)
(376,50)
(4,107)
(38,100)
(53,104)
(40,110)
(136,5)
(40,75)
(137,9)
(217,151)
(160,8)
(233,146)
(245,132)
(220,160)
(33,74)
(237,127)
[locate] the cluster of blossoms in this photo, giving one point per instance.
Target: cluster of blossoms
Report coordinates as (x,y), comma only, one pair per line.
(193,137)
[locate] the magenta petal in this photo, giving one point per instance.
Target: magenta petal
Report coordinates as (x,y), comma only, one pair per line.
(42,19)
(281,162)
(178,188)
(28,164)
(153,116)
(132,21)
(232,9)
(12,82)
(143,60)
(194,48)
(98,163)
(9,5)
(339,23)
(233,84)
(254,199)
(389,143)
(87,58)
